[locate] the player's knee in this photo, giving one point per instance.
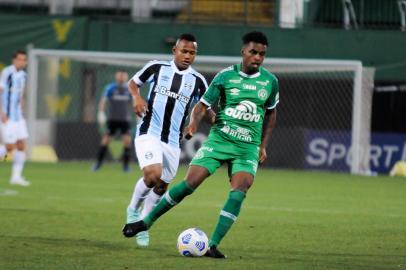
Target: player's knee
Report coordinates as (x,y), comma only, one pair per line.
(161,187)
(151,177)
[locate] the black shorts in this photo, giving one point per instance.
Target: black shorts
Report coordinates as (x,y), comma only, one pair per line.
(113,126)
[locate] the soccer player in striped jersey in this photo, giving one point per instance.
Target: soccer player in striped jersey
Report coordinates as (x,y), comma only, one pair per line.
(173,87)
(247,95)
(12,123)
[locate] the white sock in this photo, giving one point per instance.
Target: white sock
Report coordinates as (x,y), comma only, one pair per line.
(3,151)
(149,203)
(18,164)
(139,194)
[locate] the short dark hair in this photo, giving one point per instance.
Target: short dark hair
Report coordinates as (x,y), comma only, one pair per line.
(19,51)
(255,36)
(187,36)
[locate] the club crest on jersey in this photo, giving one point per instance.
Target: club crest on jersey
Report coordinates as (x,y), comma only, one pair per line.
(188,86)
(246,110)
(262,94)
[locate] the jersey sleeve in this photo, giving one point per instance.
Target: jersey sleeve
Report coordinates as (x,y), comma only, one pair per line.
(213,92)
(273,98)
(108,90)
(200,88)
(144,74)
(3,79)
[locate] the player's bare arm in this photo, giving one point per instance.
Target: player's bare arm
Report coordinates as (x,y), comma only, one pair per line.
(197,114)
(3,116)
(269,124)
(139,104)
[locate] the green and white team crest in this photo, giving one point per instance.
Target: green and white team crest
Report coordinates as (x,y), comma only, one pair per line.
(246,110)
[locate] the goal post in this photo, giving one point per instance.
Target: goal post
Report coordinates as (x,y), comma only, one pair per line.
(323,117)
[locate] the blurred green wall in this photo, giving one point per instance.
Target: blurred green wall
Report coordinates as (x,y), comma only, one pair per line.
(384,50)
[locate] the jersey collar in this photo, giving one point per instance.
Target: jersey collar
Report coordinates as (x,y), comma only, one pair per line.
(182,72)
(245,75)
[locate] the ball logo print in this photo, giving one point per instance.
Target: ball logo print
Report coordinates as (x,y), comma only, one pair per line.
(192,242)
(246,110)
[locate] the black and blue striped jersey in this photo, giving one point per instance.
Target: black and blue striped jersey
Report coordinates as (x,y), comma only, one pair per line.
(171,93)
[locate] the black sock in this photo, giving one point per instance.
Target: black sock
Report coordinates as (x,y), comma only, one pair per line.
(126,156)
(101,154)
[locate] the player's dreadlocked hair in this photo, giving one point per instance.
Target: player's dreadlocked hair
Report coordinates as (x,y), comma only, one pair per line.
(255,36)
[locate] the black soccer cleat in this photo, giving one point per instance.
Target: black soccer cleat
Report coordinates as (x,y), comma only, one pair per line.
(131,229)
(213,252)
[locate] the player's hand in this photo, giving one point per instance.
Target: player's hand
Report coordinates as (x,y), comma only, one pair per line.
(189,131)
(262,154)
(101,117)
(210,116)
(140,106)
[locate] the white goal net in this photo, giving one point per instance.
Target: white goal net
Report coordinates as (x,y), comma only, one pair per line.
(323,116)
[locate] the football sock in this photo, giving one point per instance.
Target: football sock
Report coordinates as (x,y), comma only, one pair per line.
(150,201)
(3,151)
(228,216)
(101,154)
(18,164)
(140,192)
(126,156)
(174,196)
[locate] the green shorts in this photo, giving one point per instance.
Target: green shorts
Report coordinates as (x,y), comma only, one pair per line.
(216,151)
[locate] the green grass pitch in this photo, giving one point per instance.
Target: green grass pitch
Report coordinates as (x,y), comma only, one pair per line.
(71,218)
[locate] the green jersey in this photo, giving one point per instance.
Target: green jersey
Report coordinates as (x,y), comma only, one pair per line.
(242,101)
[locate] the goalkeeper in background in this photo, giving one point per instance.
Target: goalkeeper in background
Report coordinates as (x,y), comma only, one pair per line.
(247,95)
(118,100)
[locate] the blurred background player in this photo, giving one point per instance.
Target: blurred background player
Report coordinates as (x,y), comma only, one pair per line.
(239,137)
(173,86)
(12,123)
(118,100)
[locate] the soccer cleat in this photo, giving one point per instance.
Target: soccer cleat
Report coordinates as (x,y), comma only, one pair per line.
(20,182)
(131,229)
(213,252)
(126,169)
(96,167)
(142,239)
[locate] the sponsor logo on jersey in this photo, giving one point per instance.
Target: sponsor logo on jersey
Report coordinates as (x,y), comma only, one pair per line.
(249,86)
(265,83)
(166,92)
(235,80)
(262,94)
(246,110)
(239,133)
(235,91)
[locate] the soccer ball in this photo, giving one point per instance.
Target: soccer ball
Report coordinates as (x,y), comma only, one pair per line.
(192,242)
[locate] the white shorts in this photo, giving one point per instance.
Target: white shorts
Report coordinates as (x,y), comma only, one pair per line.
(151,150)
(13,131)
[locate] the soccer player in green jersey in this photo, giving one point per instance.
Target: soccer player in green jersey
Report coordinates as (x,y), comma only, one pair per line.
(247,95)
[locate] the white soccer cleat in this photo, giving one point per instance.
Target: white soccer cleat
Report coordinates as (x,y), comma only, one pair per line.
(142,239)
(20,182)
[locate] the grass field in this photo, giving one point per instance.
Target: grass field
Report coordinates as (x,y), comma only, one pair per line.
(71,218)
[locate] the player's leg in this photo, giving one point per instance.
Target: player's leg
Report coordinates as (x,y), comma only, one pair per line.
(126,137)
(195,176)
(205,162)
(9,139)
(104,144)
(19,155)
(242,172)
(170,166)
